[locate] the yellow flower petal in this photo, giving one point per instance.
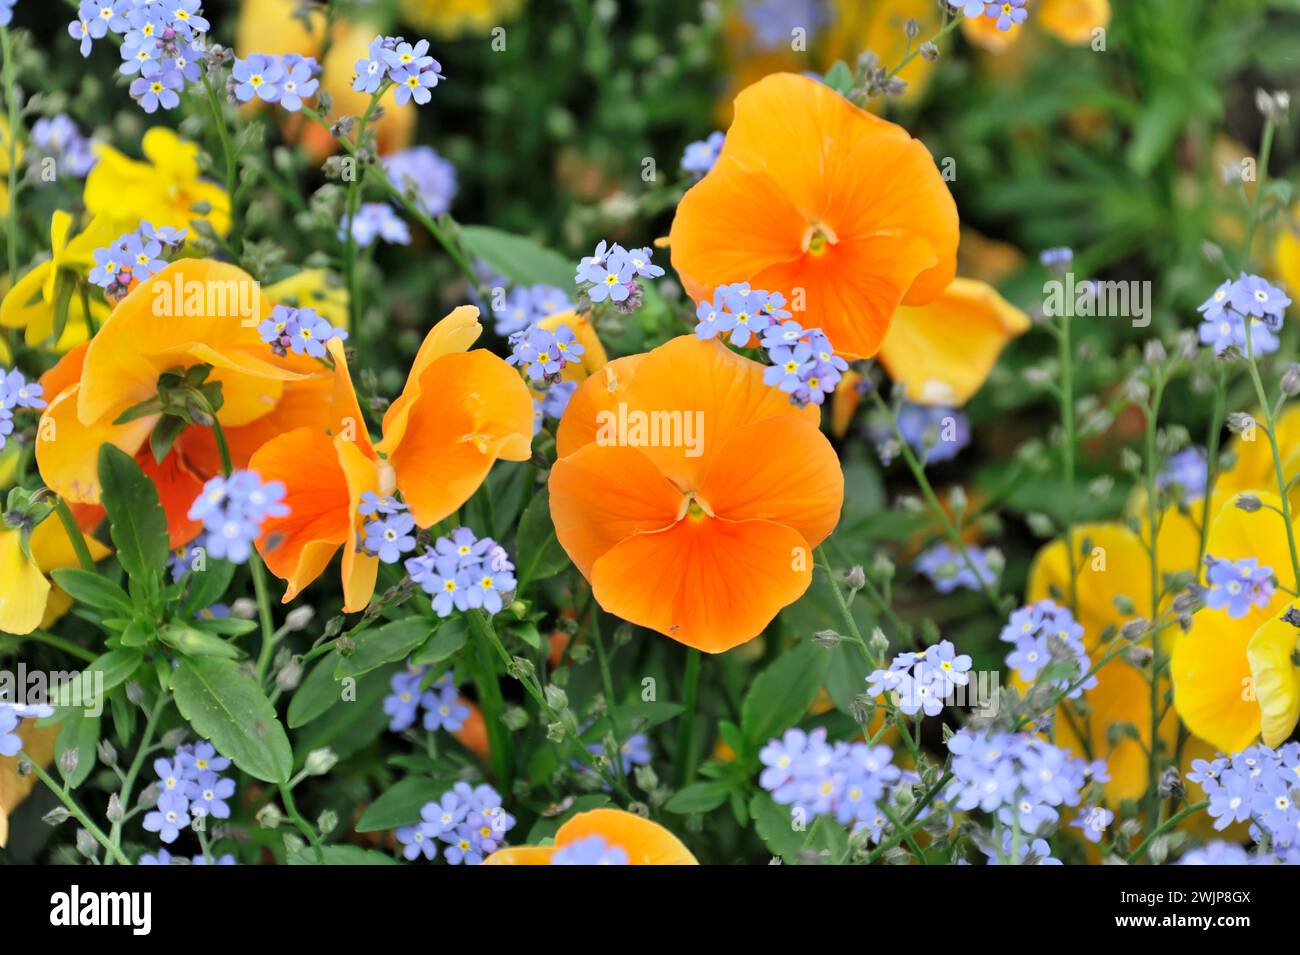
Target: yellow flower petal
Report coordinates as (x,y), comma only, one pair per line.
(1272,656)
(942,352)
(23,588)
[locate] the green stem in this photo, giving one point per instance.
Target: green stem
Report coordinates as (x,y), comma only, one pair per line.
(949,529)
(1212,459)
(1136,855)
(228,150)
(1252,222)
(684,768)
(491,699)
(349,217)
(1066,358)
(67,646)
(291,810)
(66,798)
(11,101)
(258,573)
(1157,664)
(75,537)
(137,763)
(944,31)
(1279,473)
(433,228)
(607,682)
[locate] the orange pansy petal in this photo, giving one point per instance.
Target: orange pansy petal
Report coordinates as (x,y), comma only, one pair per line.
(802,487)
(708,583)
(67,452)
(455,333)
(717,389)
(359,570)
(178,487)
(602,391)
(297,547)
(66,371)
(521,855)
(471,409)
(603,495)
(646,842)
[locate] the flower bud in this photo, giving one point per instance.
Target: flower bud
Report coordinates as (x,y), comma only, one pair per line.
(298,618)
(320,761)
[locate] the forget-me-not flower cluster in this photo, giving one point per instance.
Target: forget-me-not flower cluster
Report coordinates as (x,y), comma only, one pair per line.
(464,572)
(1044,633)
(1247,307)
(818,778)
(441,702)
(468,820)
(134,256)
(922,680)
(232,511)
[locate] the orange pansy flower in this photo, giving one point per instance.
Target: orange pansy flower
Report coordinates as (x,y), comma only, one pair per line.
(645,842)
(669,498)
(841,211)
(193,312)
(459,412)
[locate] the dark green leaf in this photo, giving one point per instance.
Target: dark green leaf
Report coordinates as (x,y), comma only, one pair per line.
(207,586)
(782,693)
(194,642)
(93,590)
(110,671)
(698,797)
(400,805)
(446,640)
(225,704)
(539,553)
(375,647)
(521,260)
(136,519)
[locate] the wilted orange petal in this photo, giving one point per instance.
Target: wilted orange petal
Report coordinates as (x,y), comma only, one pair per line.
(801,487)
(646,842)
(708,583)
(602,495)
(472,408)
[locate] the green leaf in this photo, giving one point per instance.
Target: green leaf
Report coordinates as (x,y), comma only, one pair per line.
(698,797)
(400,805)
(196,643)
(521,260)
(109,671)
(341,855)
(781,694)
(839,77)
(539,552)
(93,590)
(392,641)
(446,640)
(355,724)
(315,694)
(225,705)
(136,519)
(775,826)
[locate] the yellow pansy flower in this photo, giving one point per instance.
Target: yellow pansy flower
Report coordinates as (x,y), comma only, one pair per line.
(1116,566)
(31,304)
(1236,679)
(27,598)
(164,189)
(942,352)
